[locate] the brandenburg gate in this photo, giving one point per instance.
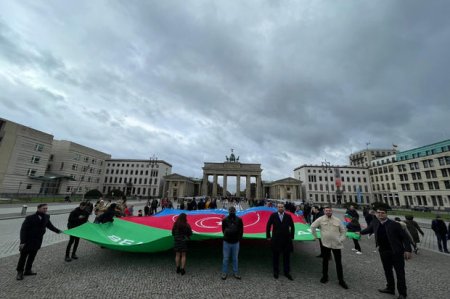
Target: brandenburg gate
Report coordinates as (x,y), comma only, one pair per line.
(232,167)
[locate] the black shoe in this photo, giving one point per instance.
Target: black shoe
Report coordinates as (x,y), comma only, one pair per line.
(224,276)
(182,271)
(68,259)
(237,276)
(19,276)
(178,270)
(275,275)
(74,256)
(29,273)
(401,297)
(343,284)
(289,276)
(324,280)
(416,250)
(387,291)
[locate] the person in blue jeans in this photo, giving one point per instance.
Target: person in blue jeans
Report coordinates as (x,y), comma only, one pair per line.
(233,229)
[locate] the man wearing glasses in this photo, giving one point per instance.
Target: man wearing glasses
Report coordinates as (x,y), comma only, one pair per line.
(394,247)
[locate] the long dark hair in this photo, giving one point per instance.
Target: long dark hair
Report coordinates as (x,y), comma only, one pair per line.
(181,222)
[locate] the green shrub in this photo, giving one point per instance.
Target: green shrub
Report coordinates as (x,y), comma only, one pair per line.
(93,194)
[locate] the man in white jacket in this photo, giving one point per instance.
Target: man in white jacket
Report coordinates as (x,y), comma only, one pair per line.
(332,234)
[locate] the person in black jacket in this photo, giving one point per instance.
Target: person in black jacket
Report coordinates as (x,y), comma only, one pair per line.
(233,230)
(394,246)
(355,227)
(283,233)
(77,217)
(440,230)
(352,212)
(108,215)
(31,235)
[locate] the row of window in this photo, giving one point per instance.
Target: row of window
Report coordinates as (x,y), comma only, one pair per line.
(341,171)
(380,187)
(421,200)
(83,168)
(313,179)
(153,173)
(320,187)
(381,178)
(426,164)
(118,180)
(147,165)
(434,185)
(86,159)
(381,170)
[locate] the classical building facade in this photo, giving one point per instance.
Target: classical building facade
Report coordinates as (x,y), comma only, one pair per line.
(232,168)
(143,178)
(83,165)
(285,189)
(24,154)
(384,180)
(177,185)
(334,184)
(364,158)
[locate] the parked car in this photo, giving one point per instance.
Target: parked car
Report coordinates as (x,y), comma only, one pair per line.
(421,209)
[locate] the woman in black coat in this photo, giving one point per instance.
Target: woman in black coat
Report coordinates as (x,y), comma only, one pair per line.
(181,232)
(354,226)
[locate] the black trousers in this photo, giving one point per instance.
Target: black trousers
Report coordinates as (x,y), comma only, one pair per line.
(276,261)
(337,259)
(391,260)
(75,241)
(26,256)
(356,243)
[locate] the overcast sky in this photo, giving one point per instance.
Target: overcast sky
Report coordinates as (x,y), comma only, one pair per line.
(284,83)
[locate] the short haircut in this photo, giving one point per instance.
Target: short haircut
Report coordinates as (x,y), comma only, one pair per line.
(41,205)
(382,209)
(326,207)
(232,210)
(83,204)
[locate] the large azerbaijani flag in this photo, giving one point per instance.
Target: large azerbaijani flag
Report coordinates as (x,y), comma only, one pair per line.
(154,233)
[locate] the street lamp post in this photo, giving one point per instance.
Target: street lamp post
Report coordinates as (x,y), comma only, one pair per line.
(326,167)
(152,162)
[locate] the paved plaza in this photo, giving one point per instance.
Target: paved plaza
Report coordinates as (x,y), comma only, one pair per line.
(102,273)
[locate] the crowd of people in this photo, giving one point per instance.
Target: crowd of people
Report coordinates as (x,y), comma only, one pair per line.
(395,239)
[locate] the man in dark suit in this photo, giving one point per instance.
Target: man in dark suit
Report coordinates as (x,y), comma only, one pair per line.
(394,247)
(31,235)
(282,234)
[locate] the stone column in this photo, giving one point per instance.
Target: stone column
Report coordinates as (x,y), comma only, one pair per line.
(214,191)
(205,185)
(258,187)
(224,185)
(247,187)
(238,185)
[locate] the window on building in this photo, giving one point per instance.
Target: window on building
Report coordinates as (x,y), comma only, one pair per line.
(29,186)
(39,147)
(31,172)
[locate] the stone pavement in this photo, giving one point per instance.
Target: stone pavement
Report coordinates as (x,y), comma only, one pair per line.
(102,273)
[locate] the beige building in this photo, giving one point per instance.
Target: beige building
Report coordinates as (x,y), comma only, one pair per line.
(287,188)
(177,186)
(423,176)
(83,165)
(24,154)
(364,158)
(142,178)
(384,180)
(334,184)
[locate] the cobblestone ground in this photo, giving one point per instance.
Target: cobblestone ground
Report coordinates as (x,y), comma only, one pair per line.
(101,273)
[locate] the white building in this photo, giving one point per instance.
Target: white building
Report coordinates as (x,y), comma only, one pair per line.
(364,158)
(334,184)
(24,154)
(143,178)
